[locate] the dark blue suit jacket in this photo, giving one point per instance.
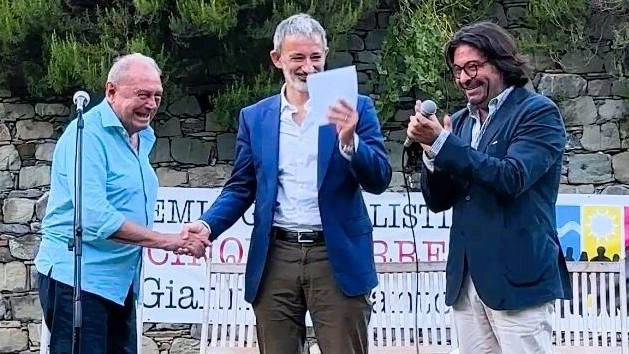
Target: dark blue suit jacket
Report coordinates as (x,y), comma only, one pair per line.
(346,224)
(503,197)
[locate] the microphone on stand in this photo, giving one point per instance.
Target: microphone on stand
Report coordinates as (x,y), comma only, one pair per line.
(428,108)
(81,99)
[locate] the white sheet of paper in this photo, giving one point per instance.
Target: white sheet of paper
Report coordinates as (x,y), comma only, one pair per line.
(327,87)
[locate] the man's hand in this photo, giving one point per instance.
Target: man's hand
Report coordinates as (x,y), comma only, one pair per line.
(192,231)
(425,130)
(345,118)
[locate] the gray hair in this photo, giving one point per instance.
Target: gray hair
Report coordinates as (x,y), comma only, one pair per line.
(299,24)
(121,65)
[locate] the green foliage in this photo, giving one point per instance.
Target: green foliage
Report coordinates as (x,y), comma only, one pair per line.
(56,47)
(198,17)
(412,53)
(240,93)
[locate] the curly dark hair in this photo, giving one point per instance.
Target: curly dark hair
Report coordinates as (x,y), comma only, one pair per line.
(499,48)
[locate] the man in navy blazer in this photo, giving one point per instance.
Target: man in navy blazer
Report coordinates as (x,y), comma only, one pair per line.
(311,246)
(497,164)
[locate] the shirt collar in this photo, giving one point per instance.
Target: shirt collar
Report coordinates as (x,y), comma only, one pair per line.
(284,104)
(494,103)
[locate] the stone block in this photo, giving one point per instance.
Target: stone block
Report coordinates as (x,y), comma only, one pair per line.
(149,346)
(193,125)
(186,106)
(209,176)
(25,247)
(374,39)
(340,59)
(13,276)
(6,181)
(395,154)
(184,346)
(578,111)
(367,22)
(51,109)
(350,41)
(13,340)
(610,136)
(615,190)
(34,176)
(599,87)
(590,168)
(34,333)
(620,163)
(188,150)
(26,308)
(14,229)
(9,158)
(44,151)
(591,139)
(562,86)
(403,115)
(612,110)
(169,177)
(576,62)
(26,151)
(169,127)
(13,111)
(33,130)
(40,206)
(5,134)
(161,151)
(18,210)
(226,146)
(620,88)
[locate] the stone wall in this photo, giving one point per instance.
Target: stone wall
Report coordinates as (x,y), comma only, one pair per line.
(192,151)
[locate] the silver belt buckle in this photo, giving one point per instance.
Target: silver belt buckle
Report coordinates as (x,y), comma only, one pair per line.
(301,240)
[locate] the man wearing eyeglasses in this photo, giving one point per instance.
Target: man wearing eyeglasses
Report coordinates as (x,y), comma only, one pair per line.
(497,164)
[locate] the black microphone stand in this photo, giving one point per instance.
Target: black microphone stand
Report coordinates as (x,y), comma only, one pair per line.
(76,243)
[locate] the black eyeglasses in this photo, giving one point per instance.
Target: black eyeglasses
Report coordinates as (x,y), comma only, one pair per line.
(470,68)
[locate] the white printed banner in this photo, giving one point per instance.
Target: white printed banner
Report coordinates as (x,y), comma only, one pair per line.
(173,290)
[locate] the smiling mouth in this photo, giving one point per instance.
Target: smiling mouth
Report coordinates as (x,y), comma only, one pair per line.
(146,116)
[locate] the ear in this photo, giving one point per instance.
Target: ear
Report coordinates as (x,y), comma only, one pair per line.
(110,91)
(275,58)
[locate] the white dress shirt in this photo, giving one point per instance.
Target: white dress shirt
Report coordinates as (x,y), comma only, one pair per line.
(477,129)
(297,206)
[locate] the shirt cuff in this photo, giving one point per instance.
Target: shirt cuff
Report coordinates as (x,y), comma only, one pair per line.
(347,156)
(438,144)
(207,226)
(429,162)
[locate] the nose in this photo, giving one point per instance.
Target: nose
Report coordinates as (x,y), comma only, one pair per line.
(308,66)
(151,103)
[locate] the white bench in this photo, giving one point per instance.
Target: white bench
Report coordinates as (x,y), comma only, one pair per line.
(593,322)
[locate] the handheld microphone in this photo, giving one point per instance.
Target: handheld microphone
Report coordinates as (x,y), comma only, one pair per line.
(81,99)
(428,108)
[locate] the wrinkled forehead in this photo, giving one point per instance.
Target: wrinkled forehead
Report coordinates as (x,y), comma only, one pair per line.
(142,77)
(466,53)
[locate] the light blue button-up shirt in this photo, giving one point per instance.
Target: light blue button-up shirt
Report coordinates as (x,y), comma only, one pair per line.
(119,184)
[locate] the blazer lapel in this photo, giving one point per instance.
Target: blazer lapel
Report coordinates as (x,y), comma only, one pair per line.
(270,129)
(327,143)
(504,112)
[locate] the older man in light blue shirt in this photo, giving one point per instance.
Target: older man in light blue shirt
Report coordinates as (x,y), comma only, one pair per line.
(119,194)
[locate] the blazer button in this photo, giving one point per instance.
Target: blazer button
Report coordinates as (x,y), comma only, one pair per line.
(468,198)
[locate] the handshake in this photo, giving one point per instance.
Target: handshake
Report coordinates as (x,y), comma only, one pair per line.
(192,240)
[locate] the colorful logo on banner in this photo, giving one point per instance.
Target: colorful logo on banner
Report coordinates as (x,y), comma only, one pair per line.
(592,233)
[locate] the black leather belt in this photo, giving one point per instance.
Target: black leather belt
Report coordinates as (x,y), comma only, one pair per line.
(297,236)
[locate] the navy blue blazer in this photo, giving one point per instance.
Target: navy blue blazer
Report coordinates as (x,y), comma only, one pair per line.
(347,228)
(503,198)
